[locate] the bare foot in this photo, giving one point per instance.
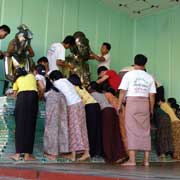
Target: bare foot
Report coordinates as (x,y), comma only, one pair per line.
(121,160)
(15,157)
(84,157)
(28,157)
(129,163)
(71,156)
(146,163)
(50,157)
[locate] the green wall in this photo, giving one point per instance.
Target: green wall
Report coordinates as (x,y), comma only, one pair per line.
(158,37)
(52,20)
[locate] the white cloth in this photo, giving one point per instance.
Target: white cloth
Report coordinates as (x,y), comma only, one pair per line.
(107,61)
(55,52)
(40,77)
(138,83)
(68,90)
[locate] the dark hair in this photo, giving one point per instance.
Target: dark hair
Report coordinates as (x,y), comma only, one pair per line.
(140,60)
(108,46)
(94,86)
(42,59)
(106,88)
(20,71)
(75,80)
(49,85)
(55,75)
(40,69)
(5,28)
(173,103)
(69,40)
(101,68)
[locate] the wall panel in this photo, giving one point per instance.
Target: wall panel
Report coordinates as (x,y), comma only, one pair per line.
(158,37)
(52,20)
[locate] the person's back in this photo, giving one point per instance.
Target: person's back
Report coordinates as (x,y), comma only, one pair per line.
(139,83)
(56,51)
(68,90)
(25,83)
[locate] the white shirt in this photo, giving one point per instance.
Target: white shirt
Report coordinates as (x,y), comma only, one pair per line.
(138,83)
(68,90)
(56,51)
(107,61)
(40,77)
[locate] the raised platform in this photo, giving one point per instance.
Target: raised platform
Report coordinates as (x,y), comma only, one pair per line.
(66,170)
(36,171)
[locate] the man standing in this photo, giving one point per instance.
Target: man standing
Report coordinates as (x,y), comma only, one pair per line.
(139,88)
(104,58)
(56,54)
(4,31)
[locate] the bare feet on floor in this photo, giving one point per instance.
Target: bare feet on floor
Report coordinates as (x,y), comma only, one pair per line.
(28,157)
(71,157)
(121,160)
(129,163)
(15,157)
(50,157)
(84,157)
(146,163)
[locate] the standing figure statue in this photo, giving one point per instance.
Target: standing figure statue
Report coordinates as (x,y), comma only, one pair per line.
(19,52)
(80,54)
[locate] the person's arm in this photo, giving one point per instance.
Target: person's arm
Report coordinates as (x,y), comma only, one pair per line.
(120,101)
(152,101)
(15,89)
(1,55)
(98,58)
(102,79)
(63,64)
(14,94)
(31,52)
(10,49)
(41,88)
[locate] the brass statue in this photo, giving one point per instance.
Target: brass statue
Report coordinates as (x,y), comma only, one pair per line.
(80,54)
(19,52)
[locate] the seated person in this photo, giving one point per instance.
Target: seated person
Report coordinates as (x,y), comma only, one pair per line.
(110,76)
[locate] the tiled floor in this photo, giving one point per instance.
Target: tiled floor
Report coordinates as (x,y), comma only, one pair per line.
(156,171)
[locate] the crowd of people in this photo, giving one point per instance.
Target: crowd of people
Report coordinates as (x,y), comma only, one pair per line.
(112,118)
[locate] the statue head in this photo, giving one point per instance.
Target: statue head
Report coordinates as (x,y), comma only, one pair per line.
(81,49)
(24,35)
